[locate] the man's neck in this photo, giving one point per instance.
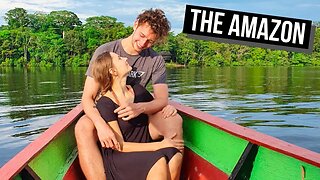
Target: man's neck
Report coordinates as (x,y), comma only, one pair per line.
(127,46)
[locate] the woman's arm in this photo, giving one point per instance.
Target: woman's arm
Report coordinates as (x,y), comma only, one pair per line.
(152,146)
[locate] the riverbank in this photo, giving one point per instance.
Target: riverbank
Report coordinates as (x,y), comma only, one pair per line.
(174,65)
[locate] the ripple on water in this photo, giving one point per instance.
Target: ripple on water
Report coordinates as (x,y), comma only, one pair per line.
(48,82)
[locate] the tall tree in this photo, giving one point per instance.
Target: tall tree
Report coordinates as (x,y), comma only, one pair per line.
(39,21)
(64,20)
(17,17)
(101,22)
(75,43)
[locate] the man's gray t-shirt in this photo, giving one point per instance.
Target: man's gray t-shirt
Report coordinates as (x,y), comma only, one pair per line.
(146,66)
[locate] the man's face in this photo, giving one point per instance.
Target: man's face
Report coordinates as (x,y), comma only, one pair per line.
(143,37)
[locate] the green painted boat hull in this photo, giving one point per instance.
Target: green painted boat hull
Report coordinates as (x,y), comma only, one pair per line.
(224,150)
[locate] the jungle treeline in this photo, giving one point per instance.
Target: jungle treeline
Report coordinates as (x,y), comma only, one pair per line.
(59,38)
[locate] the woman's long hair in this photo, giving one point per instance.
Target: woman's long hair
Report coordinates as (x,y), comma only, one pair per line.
(100,71)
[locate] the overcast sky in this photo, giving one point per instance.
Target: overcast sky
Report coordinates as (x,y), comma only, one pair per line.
(126,11)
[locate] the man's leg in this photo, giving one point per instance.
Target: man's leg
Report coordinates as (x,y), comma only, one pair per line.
(89,155)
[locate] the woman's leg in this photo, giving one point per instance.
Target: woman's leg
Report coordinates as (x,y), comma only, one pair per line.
(159,170)
(175,166)
(159,126)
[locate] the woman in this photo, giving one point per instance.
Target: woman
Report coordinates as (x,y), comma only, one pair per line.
(139,156)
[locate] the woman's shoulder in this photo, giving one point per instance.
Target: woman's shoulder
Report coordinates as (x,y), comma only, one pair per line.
(106,108)
(104,101)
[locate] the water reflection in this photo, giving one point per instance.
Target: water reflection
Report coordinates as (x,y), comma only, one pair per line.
(280,101)
(30,133)
(33,99)
(274,123)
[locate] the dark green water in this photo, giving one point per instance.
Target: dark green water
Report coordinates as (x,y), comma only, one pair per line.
(280,101)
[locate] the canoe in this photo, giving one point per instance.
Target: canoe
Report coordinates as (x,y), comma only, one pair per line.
(214,149)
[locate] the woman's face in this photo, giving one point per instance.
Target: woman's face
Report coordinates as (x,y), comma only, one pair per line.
(120,64)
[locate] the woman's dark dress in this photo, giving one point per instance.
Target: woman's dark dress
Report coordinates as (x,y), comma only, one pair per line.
(131,165)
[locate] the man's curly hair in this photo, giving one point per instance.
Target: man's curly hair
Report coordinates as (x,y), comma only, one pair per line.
(158,22)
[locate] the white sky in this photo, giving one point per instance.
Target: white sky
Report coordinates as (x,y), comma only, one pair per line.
(126,11)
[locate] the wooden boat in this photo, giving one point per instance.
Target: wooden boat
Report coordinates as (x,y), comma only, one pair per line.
(215,149)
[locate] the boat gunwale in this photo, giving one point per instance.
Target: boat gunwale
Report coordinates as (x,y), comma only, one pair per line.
(20,160)
(251,135)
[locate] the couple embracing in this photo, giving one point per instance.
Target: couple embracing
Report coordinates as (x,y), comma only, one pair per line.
(139,135)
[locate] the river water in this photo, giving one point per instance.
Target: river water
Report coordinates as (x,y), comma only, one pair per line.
(279,101)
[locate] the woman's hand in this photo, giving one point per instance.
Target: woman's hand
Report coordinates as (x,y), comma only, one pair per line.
(169,111)
(107,137)
(171,142)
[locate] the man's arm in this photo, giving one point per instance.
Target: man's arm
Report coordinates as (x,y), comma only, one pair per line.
(161,95)
(105,134)
(160,91)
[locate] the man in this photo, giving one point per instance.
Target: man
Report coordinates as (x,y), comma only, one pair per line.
(150,27)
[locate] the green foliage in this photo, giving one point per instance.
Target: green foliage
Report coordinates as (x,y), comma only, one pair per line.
(54,39)
(60,39)
(63,20)
(16,18)
(79,60)
(100,22)
(207,53)
(38,22)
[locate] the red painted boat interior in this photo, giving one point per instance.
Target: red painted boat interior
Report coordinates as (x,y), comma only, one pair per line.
(195,167)
(74,172)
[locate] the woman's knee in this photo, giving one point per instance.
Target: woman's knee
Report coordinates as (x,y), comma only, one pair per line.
(177,120)
(174,124)
(165,127)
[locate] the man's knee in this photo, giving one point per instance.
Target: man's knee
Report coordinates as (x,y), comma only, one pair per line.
(84,128)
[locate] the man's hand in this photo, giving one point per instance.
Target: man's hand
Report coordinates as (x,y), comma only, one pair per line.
(107,137)
(129,111)
(169,111)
